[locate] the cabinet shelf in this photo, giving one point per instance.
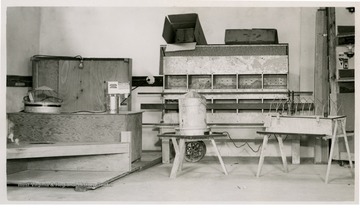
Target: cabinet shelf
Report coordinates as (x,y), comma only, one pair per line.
(225,82)
(345,80)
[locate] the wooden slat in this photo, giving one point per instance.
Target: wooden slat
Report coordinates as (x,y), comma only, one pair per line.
(60,178)
(16,166)
(287,133)
(225,106)
(231,50)
(59,150)
(222,118)
(211,125)
(102,162)
(227,64)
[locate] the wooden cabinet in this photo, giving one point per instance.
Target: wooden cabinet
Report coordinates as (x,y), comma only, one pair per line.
(82,88)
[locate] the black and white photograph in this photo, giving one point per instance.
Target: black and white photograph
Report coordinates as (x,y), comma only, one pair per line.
(179,102)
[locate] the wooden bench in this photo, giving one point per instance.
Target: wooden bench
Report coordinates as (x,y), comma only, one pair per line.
(281,128)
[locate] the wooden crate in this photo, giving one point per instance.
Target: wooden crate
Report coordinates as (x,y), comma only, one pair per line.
(251,36)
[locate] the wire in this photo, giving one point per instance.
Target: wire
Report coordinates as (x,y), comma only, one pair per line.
(134,88)
(252,148)
(122,102)
(246,143)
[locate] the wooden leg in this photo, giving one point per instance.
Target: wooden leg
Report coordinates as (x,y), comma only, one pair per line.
(176,162)
(295,150)
(175,144)
(219,156)
(283,157)
(343,125)
(262,153)
(182,151)
(333,139)
(165,150)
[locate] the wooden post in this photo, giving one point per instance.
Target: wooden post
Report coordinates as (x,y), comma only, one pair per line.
(321,80)
(332,59)
(334,87)
(295,150)
(165,147)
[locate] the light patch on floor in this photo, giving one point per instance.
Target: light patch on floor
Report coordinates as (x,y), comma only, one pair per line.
(205,182)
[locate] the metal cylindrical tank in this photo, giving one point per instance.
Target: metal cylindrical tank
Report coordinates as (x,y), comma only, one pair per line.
(192,114)
(42,100)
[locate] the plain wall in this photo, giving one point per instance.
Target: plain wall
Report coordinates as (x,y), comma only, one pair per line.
(136,32)
(22,37)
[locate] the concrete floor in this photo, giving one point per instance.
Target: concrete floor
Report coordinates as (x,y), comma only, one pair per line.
(204,182)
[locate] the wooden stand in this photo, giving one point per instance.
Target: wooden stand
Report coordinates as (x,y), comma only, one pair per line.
(179,146)
(335,122)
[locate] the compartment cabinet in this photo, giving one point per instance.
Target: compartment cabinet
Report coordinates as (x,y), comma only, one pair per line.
(241,79)
(80,82)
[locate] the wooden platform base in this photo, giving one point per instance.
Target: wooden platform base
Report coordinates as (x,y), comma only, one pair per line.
(77,179)
(80,180)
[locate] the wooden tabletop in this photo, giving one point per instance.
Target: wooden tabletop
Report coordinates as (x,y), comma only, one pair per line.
(288,133)
(330,117)
(173,135)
